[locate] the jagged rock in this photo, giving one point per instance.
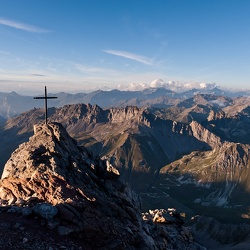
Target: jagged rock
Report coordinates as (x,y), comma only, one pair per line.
(80,195)
(205,135)
(164,216)
(111,172)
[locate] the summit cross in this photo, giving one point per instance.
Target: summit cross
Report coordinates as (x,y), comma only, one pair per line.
(45,97)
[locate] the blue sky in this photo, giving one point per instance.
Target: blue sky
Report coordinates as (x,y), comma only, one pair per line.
(76,45)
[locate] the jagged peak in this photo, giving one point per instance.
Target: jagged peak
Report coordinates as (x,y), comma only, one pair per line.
(45,150)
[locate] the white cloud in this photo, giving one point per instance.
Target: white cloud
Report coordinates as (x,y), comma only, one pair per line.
(158,83)
(129,55)
(22,26)
(177,86)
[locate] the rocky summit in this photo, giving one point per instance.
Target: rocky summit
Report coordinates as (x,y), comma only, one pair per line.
(77,198)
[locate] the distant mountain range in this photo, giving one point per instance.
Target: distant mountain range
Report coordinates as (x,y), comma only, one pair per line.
(12,104)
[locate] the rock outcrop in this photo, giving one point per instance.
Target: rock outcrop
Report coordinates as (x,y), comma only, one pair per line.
(205,135)
(79,195)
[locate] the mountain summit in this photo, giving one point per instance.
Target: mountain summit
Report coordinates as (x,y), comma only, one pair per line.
(79,195)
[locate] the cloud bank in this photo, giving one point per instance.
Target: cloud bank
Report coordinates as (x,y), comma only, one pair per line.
(176,86)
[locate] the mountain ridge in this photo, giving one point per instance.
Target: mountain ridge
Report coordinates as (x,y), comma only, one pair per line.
(12,104)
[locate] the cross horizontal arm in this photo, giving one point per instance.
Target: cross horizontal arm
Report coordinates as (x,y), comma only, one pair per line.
(47,97)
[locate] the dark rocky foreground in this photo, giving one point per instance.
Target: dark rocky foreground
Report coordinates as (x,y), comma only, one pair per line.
(56,195)
(18,231)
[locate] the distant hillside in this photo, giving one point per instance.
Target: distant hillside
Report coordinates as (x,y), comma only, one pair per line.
(12,104)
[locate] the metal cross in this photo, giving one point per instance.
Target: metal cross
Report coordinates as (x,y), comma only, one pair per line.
(45,97)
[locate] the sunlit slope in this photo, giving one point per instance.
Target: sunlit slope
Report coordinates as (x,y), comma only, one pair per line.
(214,180)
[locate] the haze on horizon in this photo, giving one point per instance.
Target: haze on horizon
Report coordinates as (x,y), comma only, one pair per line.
(74,46)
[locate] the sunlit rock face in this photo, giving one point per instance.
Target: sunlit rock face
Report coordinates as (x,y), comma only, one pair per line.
(50,176)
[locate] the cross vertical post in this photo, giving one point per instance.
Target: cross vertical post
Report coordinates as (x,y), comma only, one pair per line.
(45,105)
(45,97)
